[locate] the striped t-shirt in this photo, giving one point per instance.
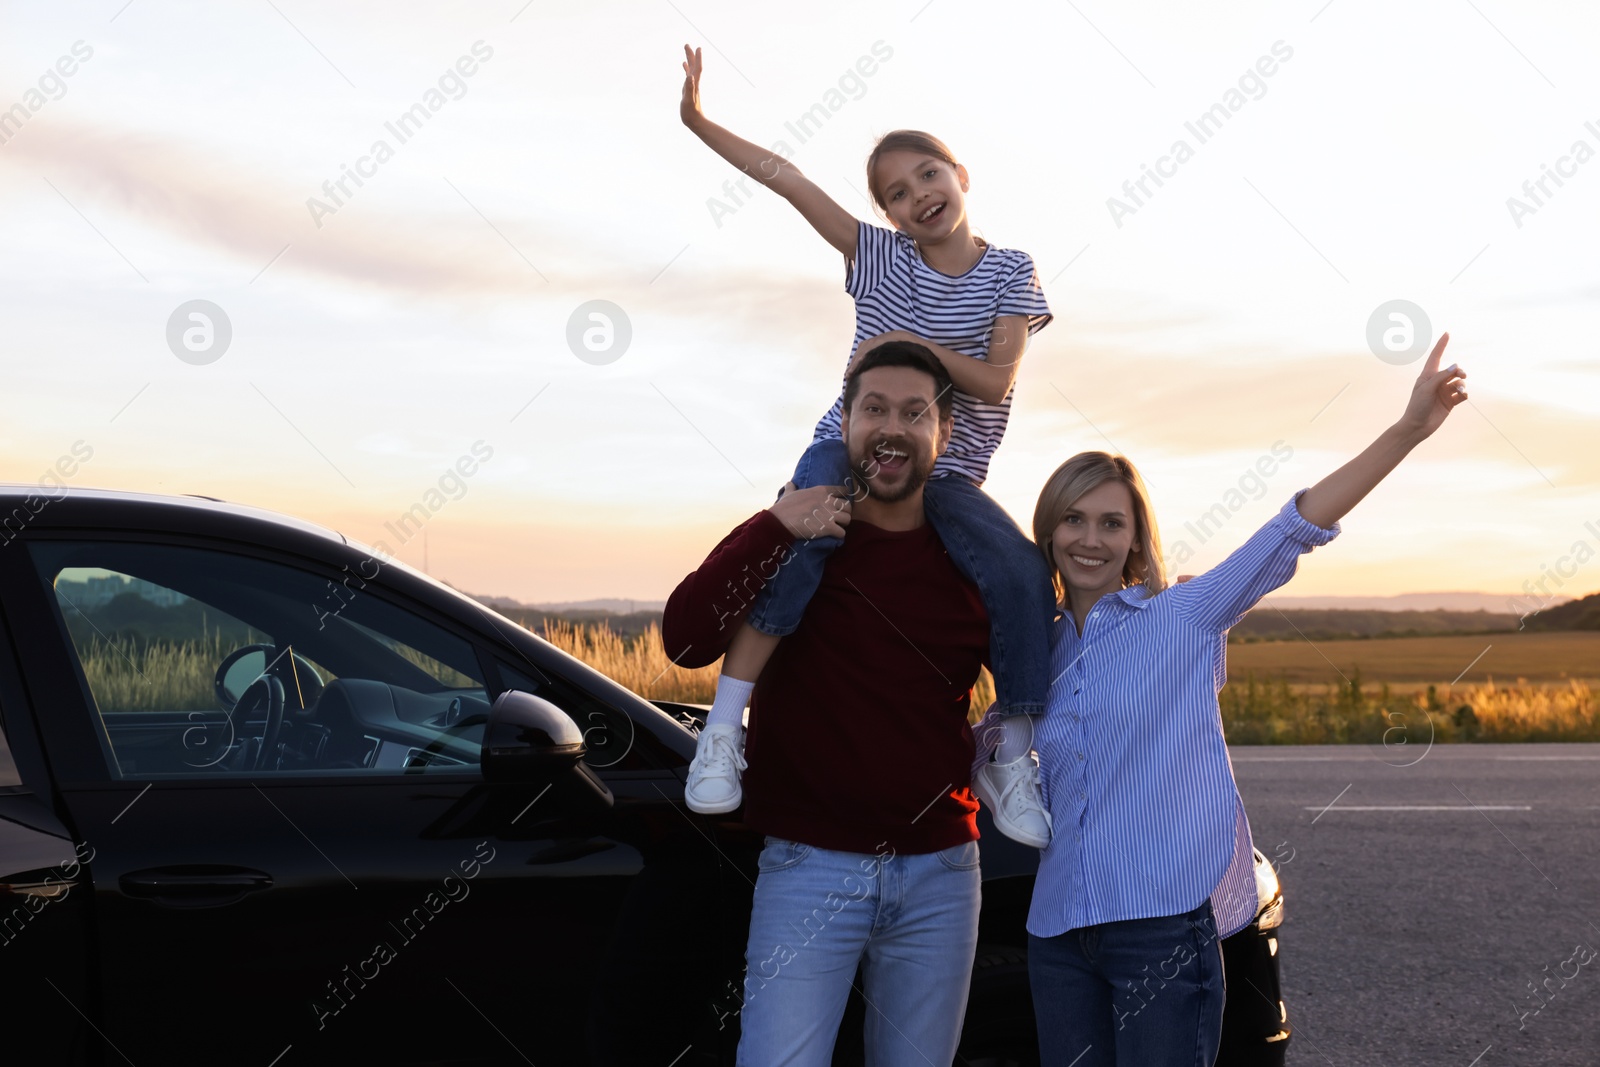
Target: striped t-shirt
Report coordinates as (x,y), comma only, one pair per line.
(895,290)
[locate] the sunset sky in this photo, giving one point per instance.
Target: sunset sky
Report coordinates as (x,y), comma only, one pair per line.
(379,336)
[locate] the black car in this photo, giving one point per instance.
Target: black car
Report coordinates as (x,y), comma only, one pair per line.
(267,798)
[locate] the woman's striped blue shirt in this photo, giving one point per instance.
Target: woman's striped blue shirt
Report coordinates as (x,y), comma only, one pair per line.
(1147,818)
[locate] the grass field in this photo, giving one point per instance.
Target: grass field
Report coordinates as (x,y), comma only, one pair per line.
(1417,662)
(1265,713)
(158,676)
(642,665)
(1392,691)
(1415,690)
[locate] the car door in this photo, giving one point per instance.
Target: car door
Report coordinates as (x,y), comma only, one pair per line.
(44,909)
(296,857)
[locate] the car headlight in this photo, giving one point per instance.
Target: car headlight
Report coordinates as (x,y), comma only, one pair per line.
(1271,916)
(1269,895)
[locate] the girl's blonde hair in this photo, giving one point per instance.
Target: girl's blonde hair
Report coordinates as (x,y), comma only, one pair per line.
(1079,475)
(903,141)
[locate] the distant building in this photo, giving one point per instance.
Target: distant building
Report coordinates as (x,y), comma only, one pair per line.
(156,594)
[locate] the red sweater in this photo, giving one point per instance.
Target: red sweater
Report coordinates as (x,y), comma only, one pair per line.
(858,734)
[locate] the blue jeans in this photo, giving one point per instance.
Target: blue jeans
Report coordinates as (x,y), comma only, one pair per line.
(910,922)
(1144,991)
(983,543)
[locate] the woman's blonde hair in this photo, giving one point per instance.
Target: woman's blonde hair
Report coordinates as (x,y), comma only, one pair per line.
(1079,475)
(903,141)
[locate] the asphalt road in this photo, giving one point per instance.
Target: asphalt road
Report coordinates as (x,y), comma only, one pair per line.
(1428,892)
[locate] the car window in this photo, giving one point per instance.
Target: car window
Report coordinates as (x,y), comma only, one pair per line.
(8,768)
(198,662)
(10,778)
(442,673)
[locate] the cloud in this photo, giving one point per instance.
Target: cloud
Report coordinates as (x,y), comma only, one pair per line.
(1573,366)
(1234,399)
(1146,401)
(176,187)
(1116,364)
(246,212)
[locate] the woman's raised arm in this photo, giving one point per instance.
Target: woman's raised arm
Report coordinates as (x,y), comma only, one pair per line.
(1433,397)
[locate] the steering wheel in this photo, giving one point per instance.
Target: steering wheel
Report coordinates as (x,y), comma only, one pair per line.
(245,664)
(267,686)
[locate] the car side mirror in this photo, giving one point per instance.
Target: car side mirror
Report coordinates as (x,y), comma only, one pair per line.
(528,739)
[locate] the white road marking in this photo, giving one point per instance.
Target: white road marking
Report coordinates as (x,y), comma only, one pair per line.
(1293,759)
(1424,807)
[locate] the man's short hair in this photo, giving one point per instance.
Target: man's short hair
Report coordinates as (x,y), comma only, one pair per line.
(904,354)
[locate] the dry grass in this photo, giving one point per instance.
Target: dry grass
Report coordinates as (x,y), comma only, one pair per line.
(642,665)
(162,676)
(1278,713)
(1533,713)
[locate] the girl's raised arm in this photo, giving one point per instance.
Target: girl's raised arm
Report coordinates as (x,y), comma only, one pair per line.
(836,225)
(1434,395)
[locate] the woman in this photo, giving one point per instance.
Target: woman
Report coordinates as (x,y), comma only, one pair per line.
(1149,865)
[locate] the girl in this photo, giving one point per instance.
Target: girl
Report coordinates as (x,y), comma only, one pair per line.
(1151,863)
(930,279)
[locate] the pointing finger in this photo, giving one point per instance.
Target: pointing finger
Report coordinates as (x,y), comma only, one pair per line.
(1432,363)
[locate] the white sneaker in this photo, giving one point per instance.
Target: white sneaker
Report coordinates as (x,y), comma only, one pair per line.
(1011,792)
(713,786)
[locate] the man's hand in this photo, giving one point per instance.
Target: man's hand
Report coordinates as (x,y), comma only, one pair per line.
(689,108)
(821,511)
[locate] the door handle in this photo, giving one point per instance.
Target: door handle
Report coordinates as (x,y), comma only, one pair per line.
(568,850)
(194,885)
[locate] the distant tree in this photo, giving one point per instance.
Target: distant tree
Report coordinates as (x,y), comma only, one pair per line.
(1581,614)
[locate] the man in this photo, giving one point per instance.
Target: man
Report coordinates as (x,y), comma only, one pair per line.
(859,753)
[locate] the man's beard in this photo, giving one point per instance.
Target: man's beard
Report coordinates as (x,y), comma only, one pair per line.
(864,469)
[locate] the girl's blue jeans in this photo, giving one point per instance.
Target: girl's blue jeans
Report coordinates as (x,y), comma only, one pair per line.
(984,544)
